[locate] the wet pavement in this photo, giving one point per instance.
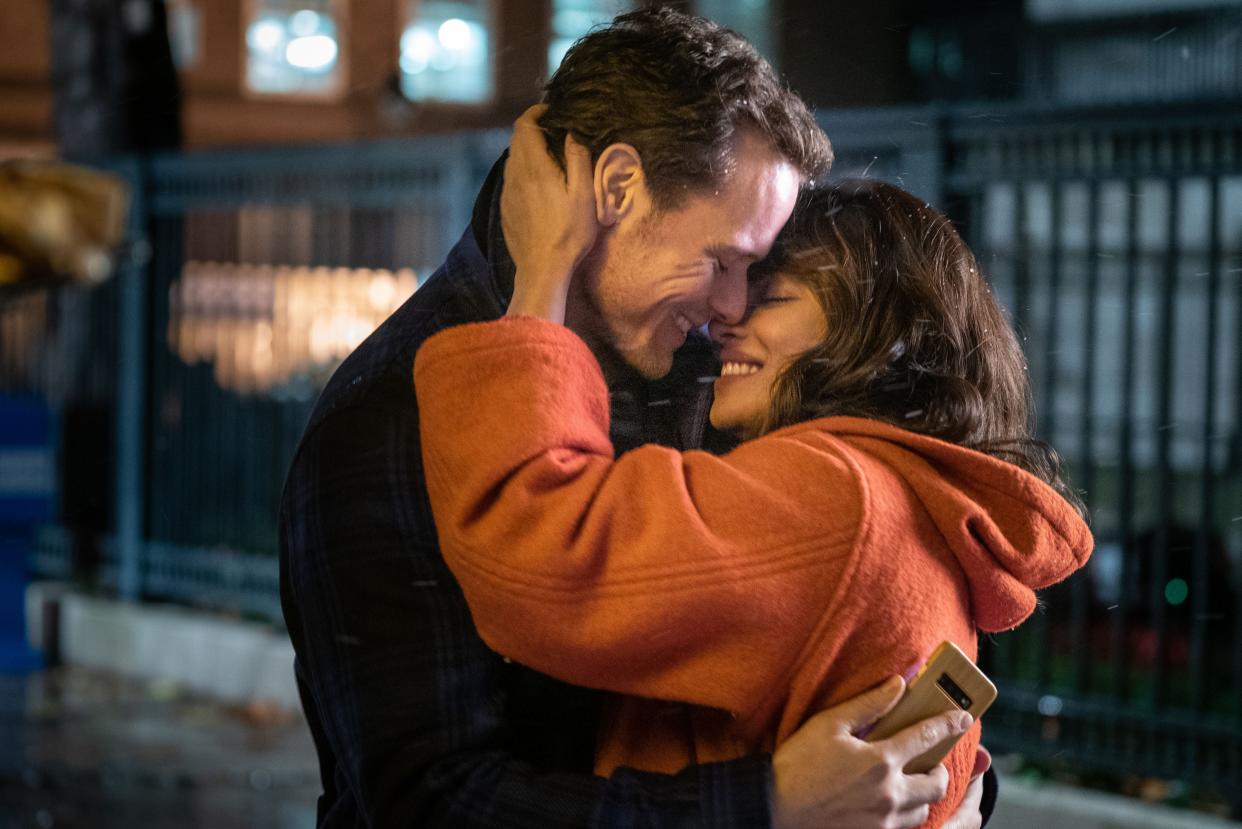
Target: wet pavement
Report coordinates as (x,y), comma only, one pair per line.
(84,749)
(81,748)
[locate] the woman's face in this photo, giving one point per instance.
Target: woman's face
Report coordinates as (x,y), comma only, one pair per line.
(783,321)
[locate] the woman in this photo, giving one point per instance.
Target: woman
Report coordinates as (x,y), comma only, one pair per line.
(887,496)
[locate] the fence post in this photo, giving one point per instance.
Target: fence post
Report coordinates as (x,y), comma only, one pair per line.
(457,194)
(131,391)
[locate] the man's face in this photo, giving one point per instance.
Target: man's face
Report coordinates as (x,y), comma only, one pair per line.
(658,274)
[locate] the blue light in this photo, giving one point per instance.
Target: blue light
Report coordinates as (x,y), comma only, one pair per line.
(305,22)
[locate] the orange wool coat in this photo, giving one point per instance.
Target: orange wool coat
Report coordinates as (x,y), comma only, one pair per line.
(726,598)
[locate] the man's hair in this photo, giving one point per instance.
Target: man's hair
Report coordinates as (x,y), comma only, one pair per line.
(677,88)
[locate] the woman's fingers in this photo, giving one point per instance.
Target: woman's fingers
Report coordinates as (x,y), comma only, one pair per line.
(527,148)
(545,211)
(547,215)
(862,711)
(580,184)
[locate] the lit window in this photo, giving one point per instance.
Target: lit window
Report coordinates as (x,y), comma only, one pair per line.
(293,47)
(446,51)
(571,19)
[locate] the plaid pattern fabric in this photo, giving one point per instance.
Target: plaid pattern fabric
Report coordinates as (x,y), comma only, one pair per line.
(415,721)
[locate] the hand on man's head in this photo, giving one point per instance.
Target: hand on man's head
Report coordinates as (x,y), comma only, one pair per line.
(548,216)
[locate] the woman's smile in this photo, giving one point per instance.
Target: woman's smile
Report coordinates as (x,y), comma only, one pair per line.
(739,369)
(783,322)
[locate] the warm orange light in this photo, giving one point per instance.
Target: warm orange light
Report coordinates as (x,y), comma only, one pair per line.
(261,326)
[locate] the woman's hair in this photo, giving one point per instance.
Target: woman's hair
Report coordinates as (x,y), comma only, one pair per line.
(914,337)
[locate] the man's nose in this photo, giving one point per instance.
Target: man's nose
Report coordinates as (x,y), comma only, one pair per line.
(728,299)
(723,332)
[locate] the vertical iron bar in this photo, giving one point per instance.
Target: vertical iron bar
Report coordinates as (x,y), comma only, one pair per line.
(220,453)
(191,498)
(278,411)
(1125,495)
(1005,657)
(177,502)
(1207,489)
(1021,264)
(1081,585)
(1047,414)
(1235,263)
(164,476)
(131,393)
(456,197)
(1164,439)
(157,471)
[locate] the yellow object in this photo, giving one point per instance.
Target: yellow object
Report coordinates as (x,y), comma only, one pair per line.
(59,222)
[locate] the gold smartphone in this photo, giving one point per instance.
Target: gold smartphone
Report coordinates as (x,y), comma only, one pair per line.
(948,681)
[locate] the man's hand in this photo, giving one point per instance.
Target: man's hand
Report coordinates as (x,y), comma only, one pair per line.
(824,776)
(548,218)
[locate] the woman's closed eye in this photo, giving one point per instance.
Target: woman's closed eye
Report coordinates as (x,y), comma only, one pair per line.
(773,299)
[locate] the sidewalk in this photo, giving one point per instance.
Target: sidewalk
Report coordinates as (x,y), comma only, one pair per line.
(206,733)
(1024,805)
(85,748)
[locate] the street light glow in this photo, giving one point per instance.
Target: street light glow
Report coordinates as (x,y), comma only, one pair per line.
(312,53)
(265,35)
(455,34)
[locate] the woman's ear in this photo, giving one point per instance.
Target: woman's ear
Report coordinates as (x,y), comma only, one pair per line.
(619,183)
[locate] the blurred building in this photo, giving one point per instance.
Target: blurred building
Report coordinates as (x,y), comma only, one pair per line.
(293,71)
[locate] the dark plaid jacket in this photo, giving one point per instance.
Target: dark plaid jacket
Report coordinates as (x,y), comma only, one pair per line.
(415,721)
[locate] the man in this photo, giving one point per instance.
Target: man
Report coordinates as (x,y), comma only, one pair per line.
(416,723)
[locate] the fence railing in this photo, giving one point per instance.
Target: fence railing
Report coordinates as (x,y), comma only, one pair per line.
(1116,241)
(1114,238)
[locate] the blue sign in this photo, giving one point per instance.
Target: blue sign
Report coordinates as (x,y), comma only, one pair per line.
(27,498)
(27,463)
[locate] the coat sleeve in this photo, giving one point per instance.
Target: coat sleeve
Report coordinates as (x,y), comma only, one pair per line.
(406,705)
(681,576)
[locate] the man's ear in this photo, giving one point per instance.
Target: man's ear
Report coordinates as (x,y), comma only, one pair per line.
(619,183)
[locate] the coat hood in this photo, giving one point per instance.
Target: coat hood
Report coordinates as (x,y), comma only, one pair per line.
(1012,534)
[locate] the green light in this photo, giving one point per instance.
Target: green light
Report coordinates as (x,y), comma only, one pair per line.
(1176,591)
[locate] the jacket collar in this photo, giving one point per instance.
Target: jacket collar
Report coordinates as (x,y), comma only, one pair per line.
(486,228)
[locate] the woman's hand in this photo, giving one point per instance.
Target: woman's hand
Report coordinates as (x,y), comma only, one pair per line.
(548,218)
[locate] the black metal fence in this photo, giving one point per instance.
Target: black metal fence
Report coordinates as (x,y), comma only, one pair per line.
(1114,238)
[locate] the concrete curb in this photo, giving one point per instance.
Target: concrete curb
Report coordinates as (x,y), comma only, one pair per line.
(232,660)
(1025,805)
